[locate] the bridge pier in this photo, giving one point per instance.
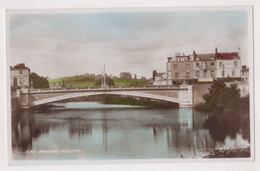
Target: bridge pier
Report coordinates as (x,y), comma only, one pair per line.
(25,98)
(186,97)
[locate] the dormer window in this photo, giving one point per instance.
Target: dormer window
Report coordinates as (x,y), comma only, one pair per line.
(212,58)
(197,59)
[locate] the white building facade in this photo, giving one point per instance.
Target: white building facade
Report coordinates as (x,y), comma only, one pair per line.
(228,66)
(20,76)
(160,79)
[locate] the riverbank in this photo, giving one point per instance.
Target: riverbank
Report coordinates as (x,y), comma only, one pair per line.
(136,102)
(230,153)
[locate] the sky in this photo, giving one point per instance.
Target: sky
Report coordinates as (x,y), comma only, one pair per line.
(64,44)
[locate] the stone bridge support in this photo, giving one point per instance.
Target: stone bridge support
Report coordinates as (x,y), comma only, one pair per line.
(186,96)
(25,98)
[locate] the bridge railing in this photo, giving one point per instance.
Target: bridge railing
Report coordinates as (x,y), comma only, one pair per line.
(99,88)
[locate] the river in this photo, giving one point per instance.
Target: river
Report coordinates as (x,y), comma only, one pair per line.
(95,131)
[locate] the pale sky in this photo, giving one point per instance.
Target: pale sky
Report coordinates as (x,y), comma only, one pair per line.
(64,44)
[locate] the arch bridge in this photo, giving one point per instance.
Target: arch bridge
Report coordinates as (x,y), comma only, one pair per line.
(182,95)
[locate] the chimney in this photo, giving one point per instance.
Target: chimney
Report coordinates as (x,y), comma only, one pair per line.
(216,50)
(169,59)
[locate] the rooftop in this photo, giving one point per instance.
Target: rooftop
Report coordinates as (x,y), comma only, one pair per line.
(19,67)
(227,56)
(160,74)
(206,56)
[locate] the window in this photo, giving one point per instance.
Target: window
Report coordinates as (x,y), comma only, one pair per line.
(204,73)
(176,75)
(187,66)
(174,66)
(187,74)
(212,74)
(212,58)
(168,66)
(21,81)
(197,74)
(235,63)
(20,72)
(220,64)
(212,64)
(233,72)
(197,65)
(197,59)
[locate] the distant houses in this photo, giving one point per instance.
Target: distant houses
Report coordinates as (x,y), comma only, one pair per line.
(126,75)
(160,79)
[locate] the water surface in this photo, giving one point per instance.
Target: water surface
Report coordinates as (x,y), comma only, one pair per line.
(94,131)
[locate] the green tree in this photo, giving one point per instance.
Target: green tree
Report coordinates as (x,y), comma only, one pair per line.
(221,98)
(109,82)
(39,81)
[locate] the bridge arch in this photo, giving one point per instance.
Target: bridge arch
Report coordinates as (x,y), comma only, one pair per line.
(86,94)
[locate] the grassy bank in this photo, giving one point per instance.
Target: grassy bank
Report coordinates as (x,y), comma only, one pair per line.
(129,82)
(87,81)
(131,101)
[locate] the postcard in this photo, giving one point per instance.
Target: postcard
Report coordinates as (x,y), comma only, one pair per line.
(130,85)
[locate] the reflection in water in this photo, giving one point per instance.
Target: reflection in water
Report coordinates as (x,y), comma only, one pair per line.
(221,126)
(79,129)
(116,133)
(22,131)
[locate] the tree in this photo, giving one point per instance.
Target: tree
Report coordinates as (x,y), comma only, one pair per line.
(109,82)
(221,98)
(39,81)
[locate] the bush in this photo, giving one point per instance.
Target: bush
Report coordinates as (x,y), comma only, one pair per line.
(38,81)
(109,82)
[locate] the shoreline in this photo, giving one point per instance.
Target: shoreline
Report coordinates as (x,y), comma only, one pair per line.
(230,153)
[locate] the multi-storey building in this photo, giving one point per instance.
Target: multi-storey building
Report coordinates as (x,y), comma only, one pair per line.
(228,65)
(179,69)
(202,67)
(20,76)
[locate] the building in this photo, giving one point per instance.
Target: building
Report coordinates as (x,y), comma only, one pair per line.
(160,79)
(204,67)
(228,65)
(126,75)
(179,69)
(20,76)
(245,73)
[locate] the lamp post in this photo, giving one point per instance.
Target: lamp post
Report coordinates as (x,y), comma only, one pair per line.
(31,84)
